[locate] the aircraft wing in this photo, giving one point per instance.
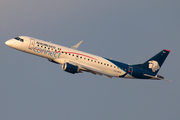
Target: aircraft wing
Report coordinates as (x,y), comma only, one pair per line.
(88,68)
(77,45)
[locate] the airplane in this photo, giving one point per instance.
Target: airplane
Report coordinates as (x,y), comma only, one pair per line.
(75,61)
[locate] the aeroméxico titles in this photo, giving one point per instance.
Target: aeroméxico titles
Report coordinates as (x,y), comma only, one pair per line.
(75,61)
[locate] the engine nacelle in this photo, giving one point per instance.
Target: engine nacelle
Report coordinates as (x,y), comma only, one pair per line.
(70,68)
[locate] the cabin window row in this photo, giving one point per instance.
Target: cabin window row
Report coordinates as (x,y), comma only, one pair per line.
(47,48)
(91,60)
(81,57)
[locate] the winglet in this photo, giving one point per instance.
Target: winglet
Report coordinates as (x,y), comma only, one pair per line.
(77,45)
(167,50)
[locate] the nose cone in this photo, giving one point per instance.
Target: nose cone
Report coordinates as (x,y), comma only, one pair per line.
(7,43)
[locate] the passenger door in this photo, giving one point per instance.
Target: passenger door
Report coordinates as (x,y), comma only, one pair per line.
(32,43)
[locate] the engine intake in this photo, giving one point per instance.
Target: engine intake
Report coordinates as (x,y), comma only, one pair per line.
(70,68)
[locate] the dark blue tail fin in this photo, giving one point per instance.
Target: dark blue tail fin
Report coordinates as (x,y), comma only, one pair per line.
(154,64)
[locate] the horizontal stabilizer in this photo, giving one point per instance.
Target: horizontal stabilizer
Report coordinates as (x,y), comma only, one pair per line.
(157,78)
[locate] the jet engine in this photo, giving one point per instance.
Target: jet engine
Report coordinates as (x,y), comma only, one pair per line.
(70,68)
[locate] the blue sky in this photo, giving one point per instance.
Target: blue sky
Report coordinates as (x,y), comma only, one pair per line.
(130,31)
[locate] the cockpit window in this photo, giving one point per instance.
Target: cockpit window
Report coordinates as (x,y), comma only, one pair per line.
(18,38)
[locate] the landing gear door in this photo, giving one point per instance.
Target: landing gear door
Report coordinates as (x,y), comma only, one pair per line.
(32,43)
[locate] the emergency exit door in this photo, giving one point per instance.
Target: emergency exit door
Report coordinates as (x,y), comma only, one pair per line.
(130,70)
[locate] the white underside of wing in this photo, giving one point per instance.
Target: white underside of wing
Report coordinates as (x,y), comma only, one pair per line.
(91,69)
(86,67)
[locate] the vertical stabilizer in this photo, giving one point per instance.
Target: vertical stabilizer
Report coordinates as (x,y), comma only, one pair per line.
(154,64)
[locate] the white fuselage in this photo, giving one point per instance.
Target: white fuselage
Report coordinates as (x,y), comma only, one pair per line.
(61,55)
(75,61)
